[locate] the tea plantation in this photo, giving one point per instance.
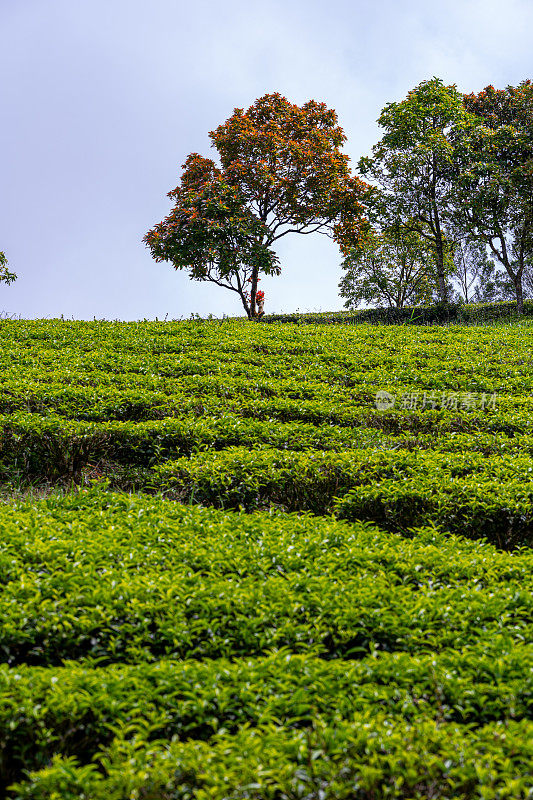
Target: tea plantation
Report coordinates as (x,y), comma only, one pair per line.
(227,572)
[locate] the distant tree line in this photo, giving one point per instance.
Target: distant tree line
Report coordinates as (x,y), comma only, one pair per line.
(442,210)
(451,209)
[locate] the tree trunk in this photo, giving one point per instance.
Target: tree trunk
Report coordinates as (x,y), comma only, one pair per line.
(437,230)
(253,293)
(516,277)
(517,280)
(245,306)
(441,276)
(242,295)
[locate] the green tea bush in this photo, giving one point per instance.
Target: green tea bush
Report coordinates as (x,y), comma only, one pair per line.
(466,493)
(124,583)
(371,758)
(137,632)
(75,710)
(353,620)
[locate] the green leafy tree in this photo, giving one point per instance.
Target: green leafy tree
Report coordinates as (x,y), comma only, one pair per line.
(495,174)
(470,266)
(494,285)
(5,275)
(413,164)
(393,268)
(282,171)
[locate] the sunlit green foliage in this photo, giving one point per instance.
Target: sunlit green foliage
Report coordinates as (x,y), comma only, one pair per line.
(353,620)
(140,632)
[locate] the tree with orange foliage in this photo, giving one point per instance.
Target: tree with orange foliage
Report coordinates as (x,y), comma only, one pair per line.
(282,171)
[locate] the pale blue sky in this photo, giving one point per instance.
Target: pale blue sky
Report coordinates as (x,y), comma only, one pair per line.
(102,101)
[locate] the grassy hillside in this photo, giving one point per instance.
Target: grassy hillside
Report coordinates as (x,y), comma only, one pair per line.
(307,595)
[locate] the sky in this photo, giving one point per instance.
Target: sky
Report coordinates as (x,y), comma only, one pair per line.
(102,101)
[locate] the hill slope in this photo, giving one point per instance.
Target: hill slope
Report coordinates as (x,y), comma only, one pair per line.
(351,619)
